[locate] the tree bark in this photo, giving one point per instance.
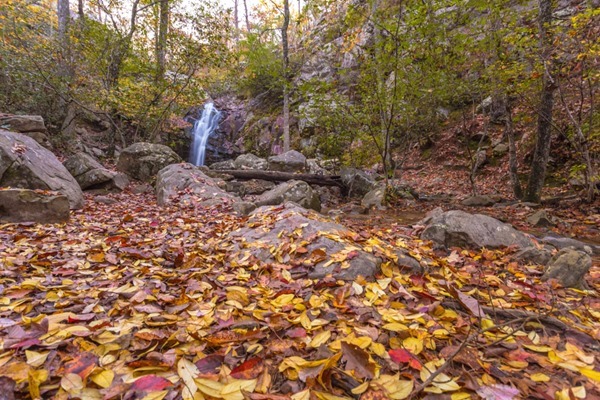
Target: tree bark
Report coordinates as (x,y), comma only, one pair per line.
(80,11)
(512,153)
(64,20)
(274,176)
(161,43)
(236,21)
(286,88)
(541,153)
(246,14)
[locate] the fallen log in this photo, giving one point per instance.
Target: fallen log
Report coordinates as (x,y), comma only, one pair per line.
(275,176)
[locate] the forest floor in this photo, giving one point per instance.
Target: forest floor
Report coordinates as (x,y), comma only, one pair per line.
(132,301)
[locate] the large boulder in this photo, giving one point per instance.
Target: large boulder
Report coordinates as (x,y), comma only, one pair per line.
(185,183)
(461,229)
(321,246)
(357,182)
(24,163)
(90,174)
(563,242)
(569,267)
(250,161)
(25,205)
(223,165)
(298,192)
(290,161)
(142,161)
(375,198)
(22,123)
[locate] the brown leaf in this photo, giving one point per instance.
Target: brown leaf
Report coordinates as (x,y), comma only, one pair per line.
(357,360)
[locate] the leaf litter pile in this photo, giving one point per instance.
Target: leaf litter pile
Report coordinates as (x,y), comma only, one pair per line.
(134,301)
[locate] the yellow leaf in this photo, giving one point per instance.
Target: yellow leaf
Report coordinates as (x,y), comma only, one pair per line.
(396,389)
(320,338)
(303,395)
(360,389)
(103,378)
(71,383)
(36,359)
(283,300)
(209,387)
(327,396)
(36,378)
(187,370)
(540,377)
(590,373)
(395,327)
(156,395)
(414,345)
(233,390)
(538,349)
(460,396)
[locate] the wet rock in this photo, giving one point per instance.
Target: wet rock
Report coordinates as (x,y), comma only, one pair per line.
(184,183)
(460,229)
(357,182)
(298,192)
(24,205)
(292,222)
(250,161)
(24,163)
(290,161)
(142,161)
(569,267)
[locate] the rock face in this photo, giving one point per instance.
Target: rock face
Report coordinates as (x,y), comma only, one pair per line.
(90,174)
(479,201)
(296,191)
(185,183)
(461,229)
(293,223)
(290,161)
(357,182)
(250,161)
(541,219)
(569,266)
(30,125)
(142,161)
(24,163)
(24,205)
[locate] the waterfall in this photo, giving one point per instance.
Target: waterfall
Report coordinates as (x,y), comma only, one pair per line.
(203,128)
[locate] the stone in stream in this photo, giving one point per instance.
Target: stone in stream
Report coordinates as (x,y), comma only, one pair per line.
(142,161)
(460,229)
(569,267)
(24,163)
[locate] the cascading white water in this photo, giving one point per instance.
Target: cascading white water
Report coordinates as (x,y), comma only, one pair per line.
(203,128)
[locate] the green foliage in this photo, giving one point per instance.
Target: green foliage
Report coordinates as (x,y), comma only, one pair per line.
(262,67)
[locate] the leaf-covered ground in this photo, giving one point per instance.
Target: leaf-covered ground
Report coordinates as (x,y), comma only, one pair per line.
(132,301)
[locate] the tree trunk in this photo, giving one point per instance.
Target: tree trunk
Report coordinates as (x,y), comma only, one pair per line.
(286,88)
(236,21)
(544,124)
(80,11)
(64,19)
(512,153)
(246,14)
(161,42)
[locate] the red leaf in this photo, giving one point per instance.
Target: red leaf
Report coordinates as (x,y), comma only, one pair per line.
(150,383)
(401,356)
(296,333)
(82,365)
(210,364)
(249,369)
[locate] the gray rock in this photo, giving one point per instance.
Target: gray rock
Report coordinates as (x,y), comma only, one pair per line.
(223,165)
(500,150)
(479,201)
(250,161)
(142,161)
(564,242)
(290,161)
(298,192)
(22,123)
(534,255)
(569,267)
(375,198)
(41,138)
(313,167)
(184,183)
(461,229)
(407,262)
(257,186)
(90,174)
(244,207)
(24,205)
(25,164)
(357,182)
(540,218)
(301,225)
